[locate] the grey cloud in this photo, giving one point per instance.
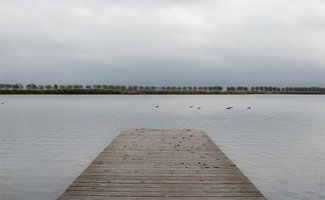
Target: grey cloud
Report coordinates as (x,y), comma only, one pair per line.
(164,42)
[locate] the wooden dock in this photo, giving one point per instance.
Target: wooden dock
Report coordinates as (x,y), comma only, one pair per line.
(143,164)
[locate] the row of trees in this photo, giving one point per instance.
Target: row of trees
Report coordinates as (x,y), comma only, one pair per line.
(263,89)
(288,89)
(121,89)
(105,87)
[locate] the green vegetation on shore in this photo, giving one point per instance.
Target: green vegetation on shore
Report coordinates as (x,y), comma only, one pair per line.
(117,89)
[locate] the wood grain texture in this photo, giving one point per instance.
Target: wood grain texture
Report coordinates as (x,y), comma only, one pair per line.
(162,164)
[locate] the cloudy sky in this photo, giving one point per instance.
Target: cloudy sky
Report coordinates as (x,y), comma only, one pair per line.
(170,42)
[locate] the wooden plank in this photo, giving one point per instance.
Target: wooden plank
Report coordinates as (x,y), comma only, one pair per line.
(162,164)
(64,197)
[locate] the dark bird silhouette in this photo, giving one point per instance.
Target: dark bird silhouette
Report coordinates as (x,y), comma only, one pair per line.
(249,108)
(228,108)
(199,107)
(157,106)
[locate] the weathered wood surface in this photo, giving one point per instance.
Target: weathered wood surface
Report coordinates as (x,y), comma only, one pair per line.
(162,164)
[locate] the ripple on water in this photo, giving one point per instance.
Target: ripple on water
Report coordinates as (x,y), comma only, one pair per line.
(47,141)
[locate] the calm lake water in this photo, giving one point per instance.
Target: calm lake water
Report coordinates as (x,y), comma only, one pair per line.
(47,141)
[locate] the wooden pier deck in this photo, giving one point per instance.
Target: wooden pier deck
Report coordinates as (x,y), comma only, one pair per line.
(155,164)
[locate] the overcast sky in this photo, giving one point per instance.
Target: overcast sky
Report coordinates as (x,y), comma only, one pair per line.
(220,42)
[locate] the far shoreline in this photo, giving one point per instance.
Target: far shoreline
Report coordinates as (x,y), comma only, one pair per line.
(31,89)
(58,92)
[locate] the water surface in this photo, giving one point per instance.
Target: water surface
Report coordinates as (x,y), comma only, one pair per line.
(47,141)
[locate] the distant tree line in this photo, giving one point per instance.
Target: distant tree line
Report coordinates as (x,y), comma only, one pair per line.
(278,90)
(122,89)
